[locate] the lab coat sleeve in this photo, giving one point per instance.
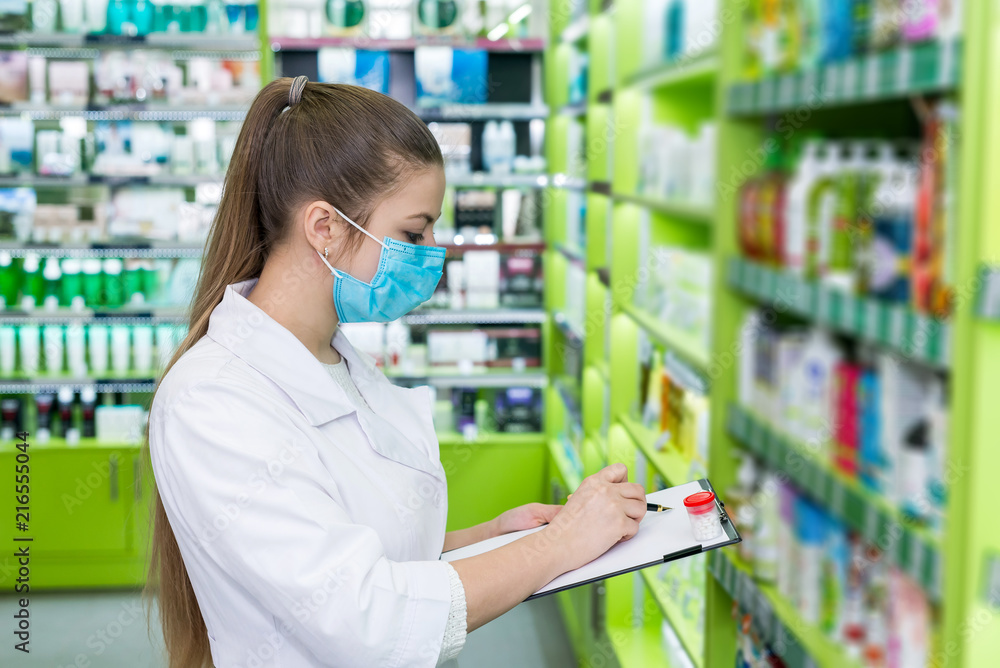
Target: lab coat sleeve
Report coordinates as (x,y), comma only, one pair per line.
(245,488)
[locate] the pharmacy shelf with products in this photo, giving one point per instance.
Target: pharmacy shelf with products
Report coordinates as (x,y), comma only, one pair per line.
(480,341)
(848,352)
(576,445)
(629,287)
(807,326)
(95,280)
(117,120)
(662,238)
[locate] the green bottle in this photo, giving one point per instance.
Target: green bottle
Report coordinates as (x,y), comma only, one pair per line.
(150,280)
(133,282)
(51,276)
(114,284)
(93,283)
(72,285)
(33,290)
(10,283)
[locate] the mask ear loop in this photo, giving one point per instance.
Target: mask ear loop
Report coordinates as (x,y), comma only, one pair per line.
(370,235)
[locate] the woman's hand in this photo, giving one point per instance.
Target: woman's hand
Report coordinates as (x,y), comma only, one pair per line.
(528,516)
(604,510)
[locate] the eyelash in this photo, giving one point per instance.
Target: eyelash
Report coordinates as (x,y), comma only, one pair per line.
(414,237)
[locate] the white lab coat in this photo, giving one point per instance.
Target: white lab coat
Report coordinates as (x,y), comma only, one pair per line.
(310,530)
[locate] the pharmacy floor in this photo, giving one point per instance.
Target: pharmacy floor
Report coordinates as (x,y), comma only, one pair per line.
(65,625)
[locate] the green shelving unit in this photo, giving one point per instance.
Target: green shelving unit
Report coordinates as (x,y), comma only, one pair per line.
(795,641)
(959,569)
(864,95)
(103,544)
(907,544)
(89,501)
(621,621)
(896,327)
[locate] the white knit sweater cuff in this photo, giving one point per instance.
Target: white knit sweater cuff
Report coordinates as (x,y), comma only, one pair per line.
(455,630)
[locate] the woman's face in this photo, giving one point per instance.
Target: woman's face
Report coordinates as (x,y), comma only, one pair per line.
(408,215)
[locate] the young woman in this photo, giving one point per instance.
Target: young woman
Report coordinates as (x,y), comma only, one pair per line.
(301,502)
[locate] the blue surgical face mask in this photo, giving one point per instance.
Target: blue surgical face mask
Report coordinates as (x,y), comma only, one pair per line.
(407,276)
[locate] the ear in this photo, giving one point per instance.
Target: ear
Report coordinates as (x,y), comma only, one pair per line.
(319,221)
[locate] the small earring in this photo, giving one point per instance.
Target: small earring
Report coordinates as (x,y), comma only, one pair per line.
(326,253)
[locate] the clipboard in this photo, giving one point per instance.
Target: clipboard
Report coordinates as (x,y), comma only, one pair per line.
(662,537)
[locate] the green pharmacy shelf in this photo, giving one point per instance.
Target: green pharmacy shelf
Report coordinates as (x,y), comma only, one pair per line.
(510,316)
(861,94)
(513,45)
(103,544)
(571,253)
(956,568)
(453,376)
(671,465)
(139,384)
(126,315)
(914,549)
(895,326)
(691,637)
(898,73)
(144,249)
(452,438)
(569,330)
(131,112)
(636,645)
(798,643)
(574,109)
(671,337)
(693,213)
(681,72)
(162,180)
(190,42)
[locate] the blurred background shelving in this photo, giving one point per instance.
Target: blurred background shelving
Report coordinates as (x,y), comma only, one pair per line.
(115,133)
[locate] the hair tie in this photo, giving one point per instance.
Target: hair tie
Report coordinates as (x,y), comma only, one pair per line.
(295,90)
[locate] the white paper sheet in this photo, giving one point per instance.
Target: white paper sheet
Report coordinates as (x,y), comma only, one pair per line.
(659,534)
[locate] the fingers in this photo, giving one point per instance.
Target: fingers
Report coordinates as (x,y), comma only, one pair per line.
(628,529)
(632,490)
(635,509)
(616,472)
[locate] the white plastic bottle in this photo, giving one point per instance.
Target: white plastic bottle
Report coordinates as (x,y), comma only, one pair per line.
(744,511)
(819,357)
(489,145)
(747,365)
(822,203)
(397,338)
(507,141)
(765,548)
(797,207)
(96,12)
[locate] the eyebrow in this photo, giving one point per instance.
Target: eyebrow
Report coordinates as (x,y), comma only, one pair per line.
(426,216)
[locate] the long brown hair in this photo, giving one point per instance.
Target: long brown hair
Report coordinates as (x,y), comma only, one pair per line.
(342,144)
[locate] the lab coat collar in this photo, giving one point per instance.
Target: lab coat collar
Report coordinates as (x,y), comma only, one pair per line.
(246,331)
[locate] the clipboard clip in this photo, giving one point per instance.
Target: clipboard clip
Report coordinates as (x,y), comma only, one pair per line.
(722,511)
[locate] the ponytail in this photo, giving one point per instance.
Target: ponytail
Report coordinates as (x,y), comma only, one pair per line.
(334,142)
